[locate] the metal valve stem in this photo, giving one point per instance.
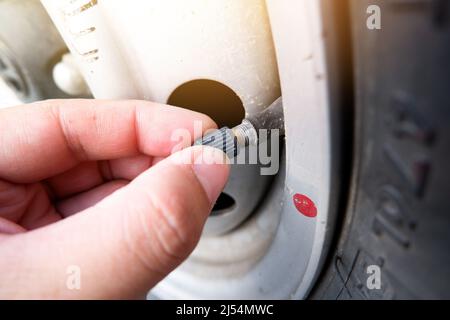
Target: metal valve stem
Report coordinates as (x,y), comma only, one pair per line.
(232,141)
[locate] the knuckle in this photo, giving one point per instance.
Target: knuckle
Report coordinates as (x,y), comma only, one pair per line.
(173,230)
(70,136)
(167,222)
(162,237)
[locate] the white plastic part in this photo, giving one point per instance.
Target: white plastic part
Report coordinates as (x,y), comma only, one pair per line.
(147,48)
(68,77)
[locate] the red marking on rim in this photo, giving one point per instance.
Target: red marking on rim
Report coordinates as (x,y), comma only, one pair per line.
(305,205)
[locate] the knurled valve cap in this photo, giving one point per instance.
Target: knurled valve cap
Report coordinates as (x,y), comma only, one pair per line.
(231,141)
(222,139)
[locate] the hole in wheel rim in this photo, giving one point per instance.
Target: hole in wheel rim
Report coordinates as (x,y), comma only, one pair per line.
(223,204)
(212,98)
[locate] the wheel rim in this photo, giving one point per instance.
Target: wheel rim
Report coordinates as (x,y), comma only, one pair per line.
(278,253)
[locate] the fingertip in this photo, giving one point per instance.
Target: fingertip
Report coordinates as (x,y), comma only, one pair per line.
(212,170)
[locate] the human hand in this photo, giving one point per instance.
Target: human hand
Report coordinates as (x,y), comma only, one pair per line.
(91,184)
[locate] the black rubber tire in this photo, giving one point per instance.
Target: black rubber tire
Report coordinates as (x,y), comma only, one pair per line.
(398,207)
(30,46)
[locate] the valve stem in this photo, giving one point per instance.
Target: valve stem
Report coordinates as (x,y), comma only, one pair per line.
(232,141)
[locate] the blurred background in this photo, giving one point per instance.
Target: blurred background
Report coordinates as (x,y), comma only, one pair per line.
(7,96)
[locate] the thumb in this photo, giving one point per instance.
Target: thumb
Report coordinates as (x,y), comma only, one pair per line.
(125,244)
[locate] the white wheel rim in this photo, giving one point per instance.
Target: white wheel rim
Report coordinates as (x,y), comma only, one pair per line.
(291,246)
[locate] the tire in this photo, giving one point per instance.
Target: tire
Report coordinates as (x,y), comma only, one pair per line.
(29,48)
(397,212)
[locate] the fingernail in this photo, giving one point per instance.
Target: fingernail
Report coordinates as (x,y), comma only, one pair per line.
(212,170)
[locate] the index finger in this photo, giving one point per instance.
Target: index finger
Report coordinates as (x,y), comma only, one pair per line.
(46,138)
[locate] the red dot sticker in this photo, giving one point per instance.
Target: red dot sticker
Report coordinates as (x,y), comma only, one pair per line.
(305,205)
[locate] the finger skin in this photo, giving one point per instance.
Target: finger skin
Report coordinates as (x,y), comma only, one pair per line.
(88,175)
(47,138)
(84,176)
(26,205)
(9,227)
(88,198)
(126,243)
